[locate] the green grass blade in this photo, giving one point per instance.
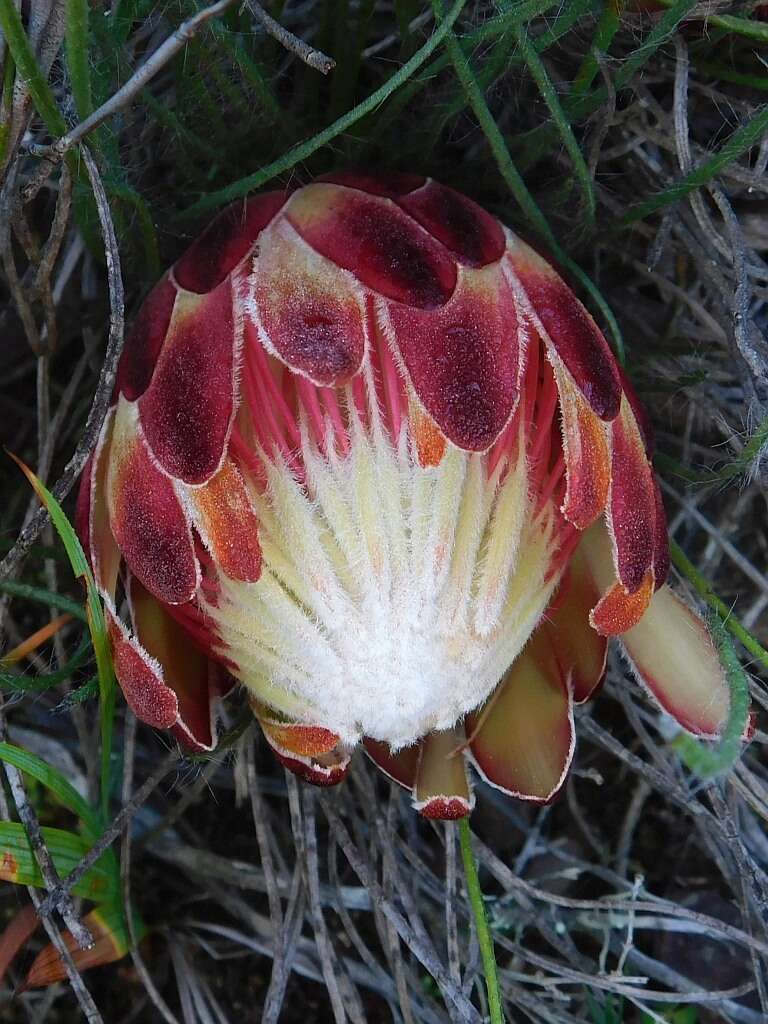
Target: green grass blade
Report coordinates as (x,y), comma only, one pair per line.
(605,30)
(9,76)
(250,71)
(535,143)
(83,693)
(514,13)
(732,24)
(517,185)
(18,683)
(173,123)
(702,586)
(658,35)
(725,473)
(96,624)
(469,42)
(723,73)
(748,454)
(146,225)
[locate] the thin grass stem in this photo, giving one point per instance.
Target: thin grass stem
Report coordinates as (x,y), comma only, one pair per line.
(605,30)
(579,107)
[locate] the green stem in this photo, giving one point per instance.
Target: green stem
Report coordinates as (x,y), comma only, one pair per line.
(470,42)
(726,74)
(29,593)
(484,936)
(18,683)
(537,141)
(6,102)
(146,225)
(738,466)
(518,12)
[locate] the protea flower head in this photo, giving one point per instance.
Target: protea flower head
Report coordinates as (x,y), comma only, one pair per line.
(370,456)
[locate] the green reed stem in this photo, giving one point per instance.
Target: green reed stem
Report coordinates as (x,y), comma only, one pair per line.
(732,24)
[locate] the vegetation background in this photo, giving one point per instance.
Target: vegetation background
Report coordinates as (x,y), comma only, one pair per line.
(630,140)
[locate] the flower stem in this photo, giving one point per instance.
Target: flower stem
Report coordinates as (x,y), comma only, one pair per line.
(481,923)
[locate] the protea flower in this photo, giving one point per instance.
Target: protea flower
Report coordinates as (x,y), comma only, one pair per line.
(370,456)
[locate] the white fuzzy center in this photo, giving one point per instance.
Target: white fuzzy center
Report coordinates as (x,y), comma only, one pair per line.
(393,597)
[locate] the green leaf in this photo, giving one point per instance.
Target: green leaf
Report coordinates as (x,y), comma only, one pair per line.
(53,780)
(18,865)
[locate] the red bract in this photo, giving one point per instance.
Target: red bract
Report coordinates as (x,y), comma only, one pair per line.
(370,456)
